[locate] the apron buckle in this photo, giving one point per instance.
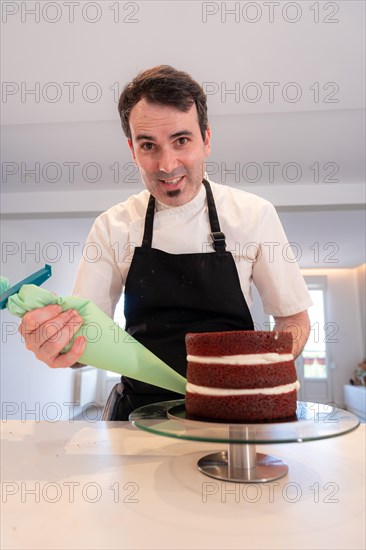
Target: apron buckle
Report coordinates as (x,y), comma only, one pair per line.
(219,241)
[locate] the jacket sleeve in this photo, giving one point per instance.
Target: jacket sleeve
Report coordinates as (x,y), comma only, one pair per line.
(276,273)
(98,276)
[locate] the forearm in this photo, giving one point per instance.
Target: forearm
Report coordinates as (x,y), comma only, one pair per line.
(299,326)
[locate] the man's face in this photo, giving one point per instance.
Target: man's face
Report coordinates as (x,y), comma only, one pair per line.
(167,147)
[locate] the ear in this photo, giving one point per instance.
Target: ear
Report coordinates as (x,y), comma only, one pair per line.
(131,149)
(207,142)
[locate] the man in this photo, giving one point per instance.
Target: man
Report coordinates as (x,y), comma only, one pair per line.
(168,247)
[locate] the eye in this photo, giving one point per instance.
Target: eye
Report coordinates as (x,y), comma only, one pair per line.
(182,140)
(147,146)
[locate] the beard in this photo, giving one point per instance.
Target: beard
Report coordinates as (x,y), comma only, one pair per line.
(173,193)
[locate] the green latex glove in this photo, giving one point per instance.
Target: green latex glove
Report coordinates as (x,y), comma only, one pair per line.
(108,346)
(4,284)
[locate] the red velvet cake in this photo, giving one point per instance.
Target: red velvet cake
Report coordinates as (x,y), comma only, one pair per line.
(241,375)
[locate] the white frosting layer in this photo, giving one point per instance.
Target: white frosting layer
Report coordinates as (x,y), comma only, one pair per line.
(203,390)
(250,359)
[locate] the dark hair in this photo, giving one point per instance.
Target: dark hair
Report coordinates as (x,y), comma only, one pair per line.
(165,85)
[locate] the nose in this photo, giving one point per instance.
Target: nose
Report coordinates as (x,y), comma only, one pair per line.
(167,161)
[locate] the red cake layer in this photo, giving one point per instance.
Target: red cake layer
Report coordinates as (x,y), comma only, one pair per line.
(238,342)
(241,376)
(242,408)
(254,407)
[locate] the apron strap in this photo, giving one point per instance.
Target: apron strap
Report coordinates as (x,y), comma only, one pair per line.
(149,222)
(217,235)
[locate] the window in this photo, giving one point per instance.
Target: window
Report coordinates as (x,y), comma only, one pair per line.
(314,353)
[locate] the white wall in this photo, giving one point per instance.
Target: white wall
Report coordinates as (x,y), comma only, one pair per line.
(27,244)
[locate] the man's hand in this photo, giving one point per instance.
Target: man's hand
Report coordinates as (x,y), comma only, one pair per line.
(47,330)
(299,326)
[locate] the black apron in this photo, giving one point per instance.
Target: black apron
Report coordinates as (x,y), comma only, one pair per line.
(169,295)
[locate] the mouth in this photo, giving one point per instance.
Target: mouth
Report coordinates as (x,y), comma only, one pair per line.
(171,184)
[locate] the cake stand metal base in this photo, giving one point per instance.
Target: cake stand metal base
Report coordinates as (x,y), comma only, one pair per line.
(241,462)
(266,468)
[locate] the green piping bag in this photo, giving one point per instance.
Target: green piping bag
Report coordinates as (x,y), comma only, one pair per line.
(108,346)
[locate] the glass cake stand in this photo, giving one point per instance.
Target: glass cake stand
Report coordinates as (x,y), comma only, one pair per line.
(241,462)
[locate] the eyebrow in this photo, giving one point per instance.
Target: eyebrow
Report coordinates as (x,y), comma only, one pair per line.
(141,137)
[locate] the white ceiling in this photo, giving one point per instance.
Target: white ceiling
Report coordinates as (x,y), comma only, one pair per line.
(322,62)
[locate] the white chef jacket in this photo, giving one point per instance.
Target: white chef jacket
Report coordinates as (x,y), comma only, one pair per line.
(254,235)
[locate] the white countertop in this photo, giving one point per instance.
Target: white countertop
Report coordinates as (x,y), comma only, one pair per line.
(106,485)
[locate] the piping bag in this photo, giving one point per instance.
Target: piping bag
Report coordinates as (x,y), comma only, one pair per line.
(108,346)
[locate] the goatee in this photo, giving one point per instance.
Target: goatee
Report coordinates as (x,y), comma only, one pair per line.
(173,193)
